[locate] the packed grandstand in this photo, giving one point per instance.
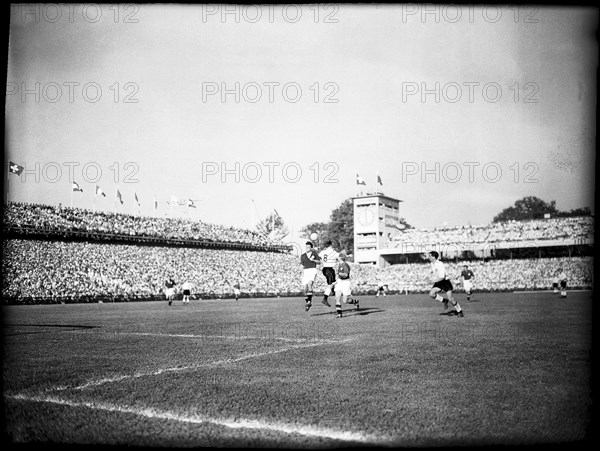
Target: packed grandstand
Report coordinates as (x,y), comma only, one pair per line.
(59,254)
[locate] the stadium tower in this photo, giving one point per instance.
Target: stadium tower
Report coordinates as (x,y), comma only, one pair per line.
(376,225)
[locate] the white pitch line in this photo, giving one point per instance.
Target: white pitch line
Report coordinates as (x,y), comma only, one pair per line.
(190,367)
(229,423)
(547,291)
(231,337)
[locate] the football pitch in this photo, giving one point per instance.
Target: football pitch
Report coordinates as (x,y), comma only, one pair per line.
(265,373)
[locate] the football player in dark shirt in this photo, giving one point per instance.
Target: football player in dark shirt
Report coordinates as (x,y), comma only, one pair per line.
(309,260)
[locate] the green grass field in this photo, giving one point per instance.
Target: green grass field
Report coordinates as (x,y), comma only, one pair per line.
(265,373)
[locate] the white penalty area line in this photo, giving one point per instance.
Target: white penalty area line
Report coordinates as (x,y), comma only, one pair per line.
(191,367)
(285,428)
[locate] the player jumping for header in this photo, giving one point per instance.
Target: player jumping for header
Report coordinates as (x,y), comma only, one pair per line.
(329,258)
(309,260)
(441,283)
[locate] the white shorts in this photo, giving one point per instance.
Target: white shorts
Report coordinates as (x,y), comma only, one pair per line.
(309,275)
(236,291)
(343,287)
(170,291)
(467,285)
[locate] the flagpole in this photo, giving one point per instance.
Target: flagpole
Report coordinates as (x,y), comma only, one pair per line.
(8,182)
(116,196)
(71,195)
(95,193)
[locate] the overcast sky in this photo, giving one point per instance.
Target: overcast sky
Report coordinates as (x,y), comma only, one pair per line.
(460,110)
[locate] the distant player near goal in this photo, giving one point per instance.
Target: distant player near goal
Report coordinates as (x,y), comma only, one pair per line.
(441,283)
(237,289)
(555,284)
(466,277)
(562,277)
(329,258)
(342,286)
(170,289)
(381,287)
(187,291)
(309,260)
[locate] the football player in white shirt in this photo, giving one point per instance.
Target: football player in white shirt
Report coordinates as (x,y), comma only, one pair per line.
(187,291)
(442,283)
(329,258)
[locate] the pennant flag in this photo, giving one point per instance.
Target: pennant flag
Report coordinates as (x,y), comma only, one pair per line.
(14,168)
(76,187)
(359,180)
(99,191)
(191,203)
(155,203)
(136,199)
(379,180)
(277,213)
(119,196)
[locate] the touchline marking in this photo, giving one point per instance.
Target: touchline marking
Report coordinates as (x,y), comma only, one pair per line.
(230,423)
(190,367)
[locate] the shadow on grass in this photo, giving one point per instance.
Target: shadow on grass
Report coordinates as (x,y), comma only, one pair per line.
(449,313)
(352,312)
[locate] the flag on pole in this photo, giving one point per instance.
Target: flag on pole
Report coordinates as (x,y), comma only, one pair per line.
(137,200)
(99,191)
(14,168)
(191,203)
(76,187)
(155,203)
(379,182)
(119,197)
(174,200)
(359,180)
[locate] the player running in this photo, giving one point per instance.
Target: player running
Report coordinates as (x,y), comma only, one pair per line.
(466,277)
(442,283)
(329,258)
(309,260)
(342,286)
(170,289)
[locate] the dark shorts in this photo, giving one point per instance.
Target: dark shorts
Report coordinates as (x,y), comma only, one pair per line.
(444,285)
(186,292)
(554,285)
(563,284)
(329,274)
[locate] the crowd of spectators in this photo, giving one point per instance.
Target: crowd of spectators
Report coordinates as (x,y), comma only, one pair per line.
(60,219)
(64,219)
(60,270)
(580,227)
(74,270)
(490,275)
